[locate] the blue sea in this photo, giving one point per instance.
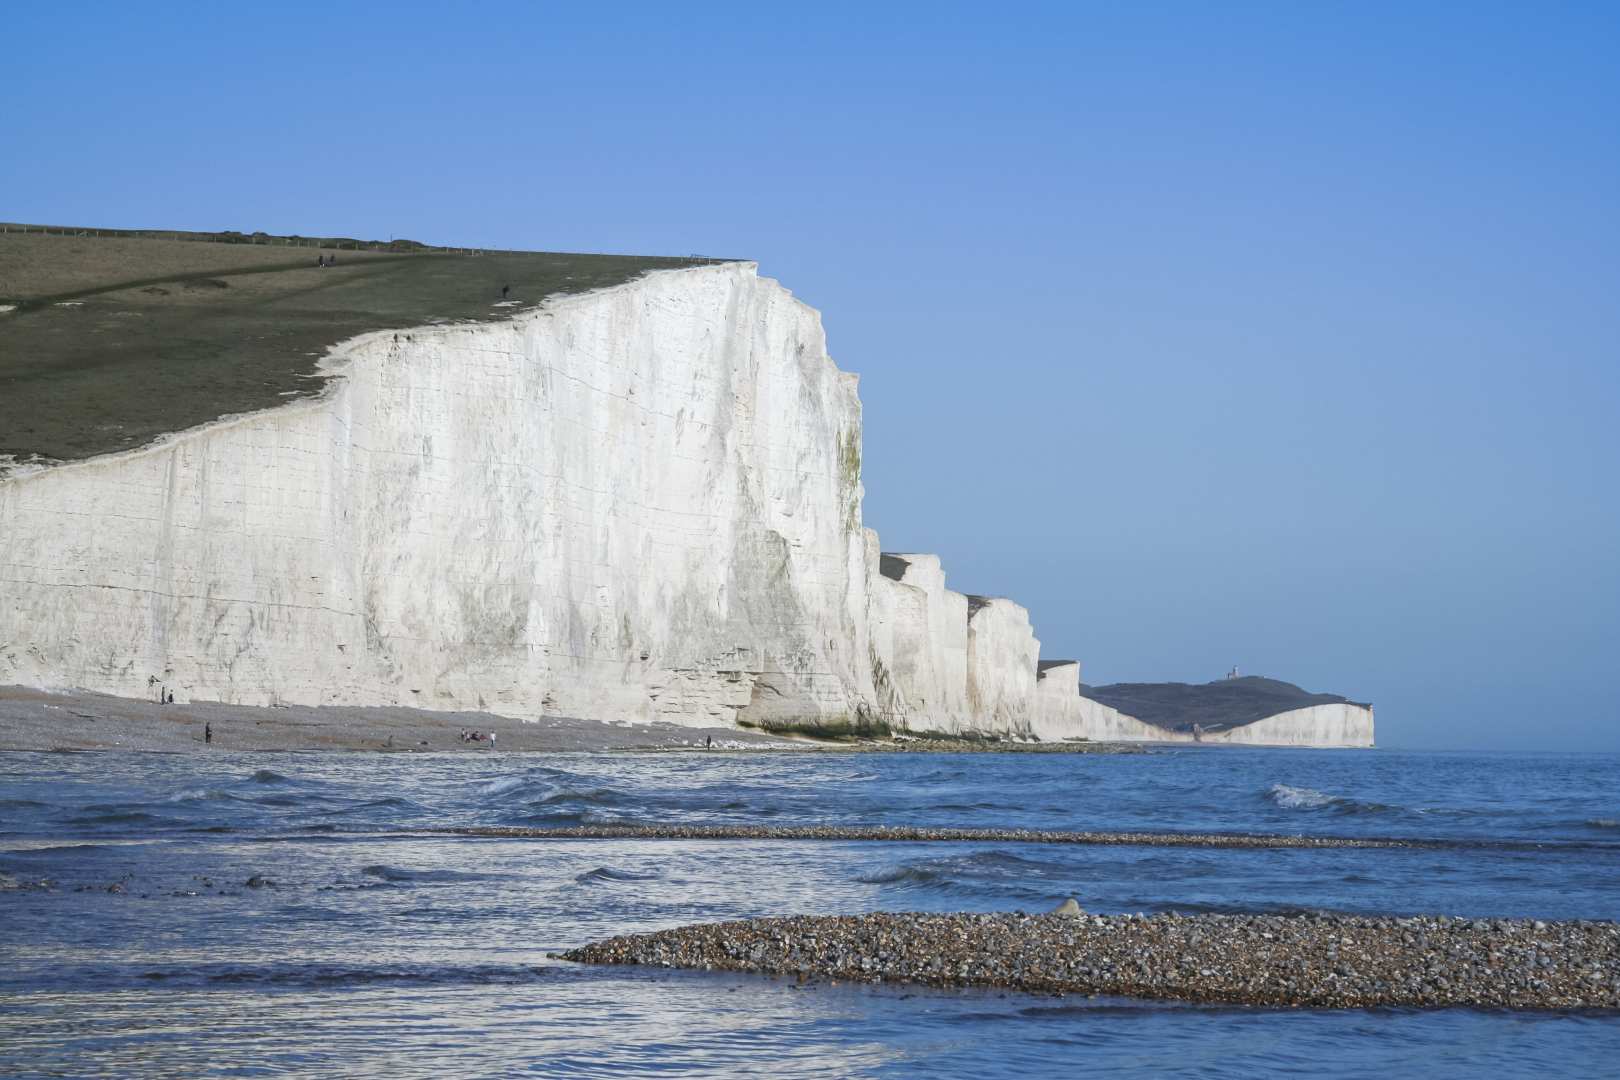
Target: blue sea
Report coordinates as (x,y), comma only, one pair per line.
(253,914)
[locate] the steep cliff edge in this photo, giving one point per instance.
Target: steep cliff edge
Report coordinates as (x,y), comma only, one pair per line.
(639,503)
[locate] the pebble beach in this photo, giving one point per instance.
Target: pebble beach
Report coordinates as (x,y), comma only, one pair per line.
(1326,961)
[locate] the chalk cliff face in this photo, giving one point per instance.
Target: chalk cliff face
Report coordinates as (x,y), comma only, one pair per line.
(641,503)
(1057,713)
(1318,725)
(1002,657)
(919,645)
(1251,711)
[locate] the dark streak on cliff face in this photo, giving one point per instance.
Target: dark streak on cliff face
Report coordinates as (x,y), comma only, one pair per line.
(1216,706)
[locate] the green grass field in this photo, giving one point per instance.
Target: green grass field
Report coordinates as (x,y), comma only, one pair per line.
(113,340)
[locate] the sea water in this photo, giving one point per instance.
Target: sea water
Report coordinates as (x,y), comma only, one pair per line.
(247,914)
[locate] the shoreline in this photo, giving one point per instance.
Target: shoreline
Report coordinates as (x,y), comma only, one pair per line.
(44,721)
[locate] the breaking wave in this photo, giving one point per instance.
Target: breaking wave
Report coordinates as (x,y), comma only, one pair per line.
(268,776)
(548,788)
(607,873)
(596,796)
(1299,798)
(201,795)
(504,785)
(1288,797)
(401,876)
(992,873)
(903,875)
(119,817)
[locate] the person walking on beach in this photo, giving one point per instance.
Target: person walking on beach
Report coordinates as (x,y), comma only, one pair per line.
(208,734)
(492,740)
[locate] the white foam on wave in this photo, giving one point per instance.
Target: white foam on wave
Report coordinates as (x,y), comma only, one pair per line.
(503,785)
(197,795)
(1299,798)
(51,843)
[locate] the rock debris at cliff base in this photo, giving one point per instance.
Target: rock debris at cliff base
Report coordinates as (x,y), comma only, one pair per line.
(1324,961)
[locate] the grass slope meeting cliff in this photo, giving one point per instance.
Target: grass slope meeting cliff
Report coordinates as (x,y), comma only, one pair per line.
(491,653)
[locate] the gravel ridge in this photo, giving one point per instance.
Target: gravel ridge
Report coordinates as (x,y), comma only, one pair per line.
(1316,961)
(920,833)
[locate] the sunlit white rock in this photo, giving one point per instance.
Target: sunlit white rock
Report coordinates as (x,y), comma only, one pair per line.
(641,503)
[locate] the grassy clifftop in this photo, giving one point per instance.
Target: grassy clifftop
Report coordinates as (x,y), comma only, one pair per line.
(108,341)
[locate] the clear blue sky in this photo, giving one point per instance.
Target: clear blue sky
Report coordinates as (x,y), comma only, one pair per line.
(1277,335)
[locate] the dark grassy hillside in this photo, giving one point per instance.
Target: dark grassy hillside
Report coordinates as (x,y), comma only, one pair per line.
(1227,703)
(112,340)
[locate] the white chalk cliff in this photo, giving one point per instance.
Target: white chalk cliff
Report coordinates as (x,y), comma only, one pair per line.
(640,503)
